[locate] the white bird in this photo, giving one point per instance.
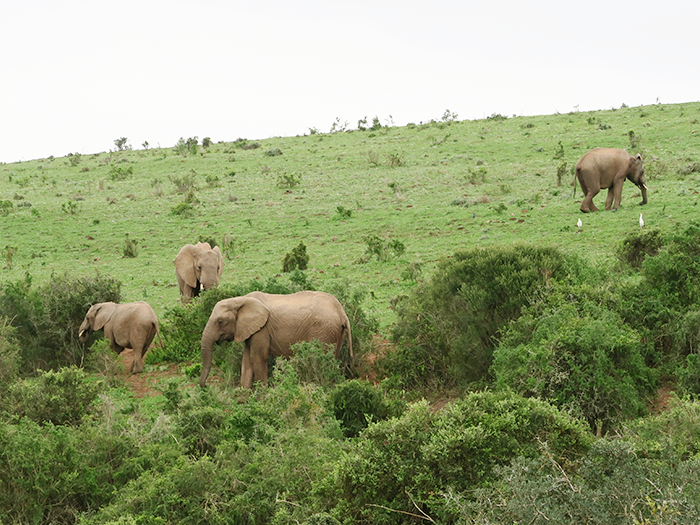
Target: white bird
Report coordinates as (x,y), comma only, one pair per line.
(641,220)
(579,223)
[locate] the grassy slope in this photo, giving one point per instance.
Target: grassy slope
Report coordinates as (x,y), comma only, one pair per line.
(412,203)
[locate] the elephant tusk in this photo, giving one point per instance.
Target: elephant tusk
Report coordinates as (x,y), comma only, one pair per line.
(81,333)
(644,186)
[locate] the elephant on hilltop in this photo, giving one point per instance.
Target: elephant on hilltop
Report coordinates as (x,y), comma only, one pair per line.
(608,168)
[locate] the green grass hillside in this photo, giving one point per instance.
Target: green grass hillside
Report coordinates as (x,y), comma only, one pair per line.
(431,188)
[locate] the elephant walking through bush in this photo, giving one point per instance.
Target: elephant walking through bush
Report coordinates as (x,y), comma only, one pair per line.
(198,266)
(128,325)
(270,324)
(608,168)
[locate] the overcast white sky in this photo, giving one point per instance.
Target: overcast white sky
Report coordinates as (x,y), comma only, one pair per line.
(76,75)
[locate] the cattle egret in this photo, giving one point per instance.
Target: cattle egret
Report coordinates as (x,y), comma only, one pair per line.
(641,220)
(579,223)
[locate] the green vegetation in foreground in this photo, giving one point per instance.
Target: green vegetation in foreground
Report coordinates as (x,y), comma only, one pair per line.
(455,240)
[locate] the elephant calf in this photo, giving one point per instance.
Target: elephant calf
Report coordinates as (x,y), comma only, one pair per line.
(271,324)
(608,168)
(128,325)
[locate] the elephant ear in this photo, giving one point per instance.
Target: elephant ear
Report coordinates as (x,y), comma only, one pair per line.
(103,314)
(252,316)
(221,260)
(184,265)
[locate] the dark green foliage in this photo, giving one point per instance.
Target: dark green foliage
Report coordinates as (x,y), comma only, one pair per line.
(616,485)
(296,259)
(382,249)
(638,245)
(356,404)
(447,328)
(117,173)
(9,355)
(47,318)
(63,397)
(408,463)
(579,355)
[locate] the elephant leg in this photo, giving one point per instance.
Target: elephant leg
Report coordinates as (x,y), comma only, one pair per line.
(609,199)
(246,368)
(259,352)
(618,194)
(587,204)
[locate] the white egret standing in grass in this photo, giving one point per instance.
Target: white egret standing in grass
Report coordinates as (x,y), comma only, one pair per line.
(579,223)
(641,220)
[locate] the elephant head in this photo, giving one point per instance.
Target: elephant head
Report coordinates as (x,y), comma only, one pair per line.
(198,266)
(235,319)
(636,175)
(97,316)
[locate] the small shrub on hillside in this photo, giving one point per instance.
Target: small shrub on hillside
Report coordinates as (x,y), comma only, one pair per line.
(184,183)
(130,249)
(9,254)
(122,144)
(274,152)
(356,404)
(63,397)
(289,180)
(382,249)
(296,259)
(183,209)
(70,207)
(206,142)
(6,207)
(187,147)
(117,173)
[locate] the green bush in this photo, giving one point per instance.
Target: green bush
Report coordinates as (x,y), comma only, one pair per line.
(315,363)
(410,463)
(637,245)
(356,404)
(9,356)
(47,318)
(580,356)
(63,397)
(447,328)
(296,259)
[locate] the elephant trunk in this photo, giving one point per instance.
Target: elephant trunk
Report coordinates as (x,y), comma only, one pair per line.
(643,187)
(209,337)
(83,333)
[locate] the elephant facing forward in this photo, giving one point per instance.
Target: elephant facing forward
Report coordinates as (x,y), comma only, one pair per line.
(608,168)
(270,324)
(198,266)
(128,325)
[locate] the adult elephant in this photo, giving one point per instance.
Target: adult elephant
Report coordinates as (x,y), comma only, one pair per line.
(270,324)
(608,168)
(128,325)
(198,266)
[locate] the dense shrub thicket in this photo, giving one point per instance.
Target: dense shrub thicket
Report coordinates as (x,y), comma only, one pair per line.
(448,328)
(565,351)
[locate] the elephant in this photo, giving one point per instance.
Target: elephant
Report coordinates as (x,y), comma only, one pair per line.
(270,324)
(198,266)
(127,325)
(608,168)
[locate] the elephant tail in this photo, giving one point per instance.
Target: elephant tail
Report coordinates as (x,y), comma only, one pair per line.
(347,328)
(575,177)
